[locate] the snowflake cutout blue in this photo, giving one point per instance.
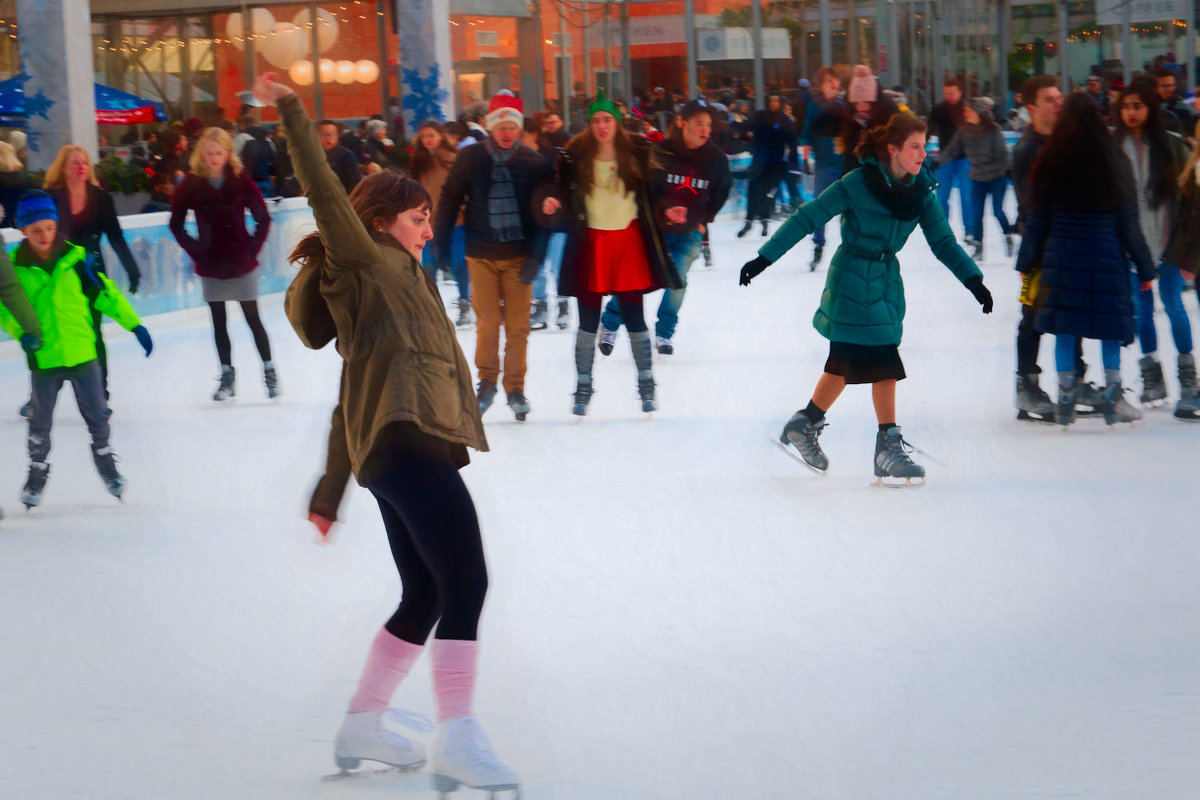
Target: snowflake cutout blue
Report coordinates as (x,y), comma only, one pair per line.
(425,96)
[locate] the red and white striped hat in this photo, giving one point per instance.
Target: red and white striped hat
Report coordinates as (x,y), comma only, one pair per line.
(504,107)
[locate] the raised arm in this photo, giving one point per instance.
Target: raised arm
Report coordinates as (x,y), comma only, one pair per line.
(347,243)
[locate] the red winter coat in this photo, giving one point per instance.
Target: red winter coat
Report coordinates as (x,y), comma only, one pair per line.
(222,248)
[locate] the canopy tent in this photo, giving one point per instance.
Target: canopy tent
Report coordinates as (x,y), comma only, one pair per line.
(113,107)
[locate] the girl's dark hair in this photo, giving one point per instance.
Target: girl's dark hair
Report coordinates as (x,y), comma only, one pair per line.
(1080,168)
(896,132)
(582,149)
(1163,169)
(382,196)
(423,159)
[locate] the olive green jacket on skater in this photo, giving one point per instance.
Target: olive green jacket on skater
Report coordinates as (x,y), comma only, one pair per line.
(401,354)
(863,300)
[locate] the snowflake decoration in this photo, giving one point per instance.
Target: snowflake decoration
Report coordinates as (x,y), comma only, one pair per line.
(38,104)
(425,96)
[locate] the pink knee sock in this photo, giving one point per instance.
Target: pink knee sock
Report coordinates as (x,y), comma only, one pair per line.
(388,662)
(454,676)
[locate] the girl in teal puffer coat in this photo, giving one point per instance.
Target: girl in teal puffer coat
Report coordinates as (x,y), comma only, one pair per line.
(862,306)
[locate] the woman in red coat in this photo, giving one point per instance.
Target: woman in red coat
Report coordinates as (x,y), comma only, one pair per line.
(220,192)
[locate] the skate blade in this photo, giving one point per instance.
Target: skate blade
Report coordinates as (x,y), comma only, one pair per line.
(1026,416)
(360,773)
(909,483)
(444,784)
(794,455)
(1156,403)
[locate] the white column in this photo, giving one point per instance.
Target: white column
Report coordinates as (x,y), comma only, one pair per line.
(60,93)
(425,60)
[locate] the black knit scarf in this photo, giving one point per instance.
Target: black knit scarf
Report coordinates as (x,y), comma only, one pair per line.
(903,199)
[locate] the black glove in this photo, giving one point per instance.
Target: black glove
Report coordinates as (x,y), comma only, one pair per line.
(982,295)
(751,270)
(135,277)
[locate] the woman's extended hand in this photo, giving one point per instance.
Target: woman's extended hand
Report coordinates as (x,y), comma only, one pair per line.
(550,206)
(268,90)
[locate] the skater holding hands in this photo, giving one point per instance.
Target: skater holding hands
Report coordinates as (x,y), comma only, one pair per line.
(862,307)
(409,416)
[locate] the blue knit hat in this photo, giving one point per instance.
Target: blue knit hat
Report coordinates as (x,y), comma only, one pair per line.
(35,206)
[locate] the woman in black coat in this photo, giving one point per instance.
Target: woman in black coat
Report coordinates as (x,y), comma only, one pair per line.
(1083,232)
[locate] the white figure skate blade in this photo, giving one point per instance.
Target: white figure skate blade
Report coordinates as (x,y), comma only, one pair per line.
(794,455)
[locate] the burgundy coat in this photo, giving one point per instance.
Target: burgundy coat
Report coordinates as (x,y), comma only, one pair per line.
(222,248)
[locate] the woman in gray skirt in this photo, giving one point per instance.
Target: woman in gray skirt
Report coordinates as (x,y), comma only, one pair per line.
(220,192)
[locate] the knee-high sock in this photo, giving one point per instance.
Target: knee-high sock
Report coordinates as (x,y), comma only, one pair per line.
(454,676)
(642,357)
(388,661)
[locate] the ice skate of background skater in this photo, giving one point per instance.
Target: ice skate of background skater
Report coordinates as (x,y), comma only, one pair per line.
(409,414)
(57,277)
(862,307)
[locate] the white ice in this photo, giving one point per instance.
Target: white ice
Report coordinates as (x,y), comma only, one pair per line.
(676,609)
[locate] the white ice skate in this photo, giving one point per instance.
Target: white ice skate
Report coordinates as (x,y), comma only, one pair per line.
(462,756)
(365,737)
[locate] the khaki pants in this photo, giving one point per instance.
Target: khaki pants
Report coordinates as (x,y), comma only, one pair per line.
(494,282)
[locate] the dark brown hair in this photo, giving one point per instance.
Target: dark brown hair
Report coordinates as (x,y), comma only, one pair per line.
(827,72)
(382,196)
(423,158)
(897,130)
(1031,87)
(583,147)
(1163,169)
(1080,168)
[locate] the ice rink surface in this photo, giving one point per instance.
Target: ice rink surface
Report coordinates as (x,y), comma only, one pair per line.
(676,609)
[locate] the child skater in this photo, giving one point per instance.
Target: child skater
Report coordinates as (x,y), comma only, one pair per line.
(15,302)
(862,307)
(58,278)
(409,415)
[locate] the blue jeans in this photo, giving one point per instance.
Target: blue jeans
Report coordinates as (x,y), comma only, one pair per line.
(458,261)
(553,263)
(826,175)
(997,188)
(1170,289)
(953,175)
(683,247)
(1064,353)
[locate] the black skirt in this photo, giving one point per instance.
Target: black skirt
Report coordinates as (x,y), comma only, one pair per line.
(865,363)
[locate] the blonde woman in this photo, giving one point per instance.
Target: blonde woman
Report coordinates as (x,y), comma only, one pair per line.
(220,192)
(85,213)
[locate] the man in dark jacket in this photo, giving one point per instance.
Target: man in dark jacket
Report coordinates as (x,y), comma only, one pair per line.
(944,121)
(258,156)
(340,160)
(775,146)
(493,182)
(824,120)
(689,188)
(1167,85)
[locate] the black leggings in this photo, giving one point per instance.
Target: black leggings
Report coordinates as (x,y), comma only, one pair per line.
(221,331)
(1029,342)
(434,536)
(631,311)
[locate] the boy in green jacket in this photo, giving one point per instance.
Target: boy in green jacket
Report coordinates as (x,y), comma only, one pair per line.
(59,282)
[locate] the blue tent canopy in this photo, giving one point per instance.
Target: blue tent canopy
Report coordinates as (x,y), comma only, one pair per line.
(113,107)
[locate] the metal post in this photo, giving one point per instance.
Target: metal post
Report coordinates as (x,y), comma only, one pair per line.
(852,30)
(1002,47)
(1064,27)
(689,28)
(315,44)
(587,51)
(608,87)
(1189,45)
(381,54)
(760,102)
(626,58)
(563,75)
(826,35)
(185,67)
(938,72)
(1126,41)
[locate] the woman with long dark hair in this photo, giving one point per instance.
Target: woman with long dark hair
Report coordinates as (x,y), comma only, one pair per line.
(1183,252)
(1083,232)
(862,308)
(409,414)
(1156,156)
(614,245)
(220,192)
(433,156)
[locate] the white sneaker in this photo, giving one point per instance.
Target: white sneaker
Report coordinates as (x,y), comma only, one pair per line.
(462,755)
(664,346)
(363,736)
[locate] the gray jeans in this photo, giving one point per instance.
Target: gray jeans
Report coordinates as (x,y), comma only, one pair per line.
(88,382)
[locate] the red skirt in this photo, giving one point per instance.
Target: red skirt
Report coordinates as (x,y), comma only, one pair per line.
(615,261)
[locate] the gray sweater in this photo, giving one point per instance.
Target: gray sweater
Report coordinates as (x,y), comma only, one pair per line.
(984,147)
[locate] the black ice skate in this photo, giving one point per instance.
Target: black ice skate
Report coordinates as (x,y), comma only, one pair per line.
(465,316)
(26,411)
(1067,398)
(1115,409)
(225,389)
(518,404)
(538,315)
(1154,388)
(706,252)
(764,224)
(1033,405)
(563,318)
(271,379)
(892,460)
(745,229)
(646,393)
(1188,406)
(799,440)
(818,251)
(106,465)
(664,346)
(581,398)
(1009,247)
(607,340)
(35,484)
(485,393)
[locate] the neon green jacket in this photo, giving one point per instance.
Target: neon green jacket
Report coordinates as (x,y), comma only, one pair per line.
(62,292)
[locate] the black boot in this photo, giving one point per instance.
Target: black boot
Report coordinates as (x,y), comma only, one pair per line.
(745,229)
(585,355)
(537,319)
(642,357)
(106,465)
(225,389)
(818,251)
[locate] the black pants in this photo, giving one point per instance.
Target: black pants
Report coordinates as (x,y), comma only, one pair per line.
(760,203)
(434,536)
(1029,341)
(88,384)
(221,331)
(629,302)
